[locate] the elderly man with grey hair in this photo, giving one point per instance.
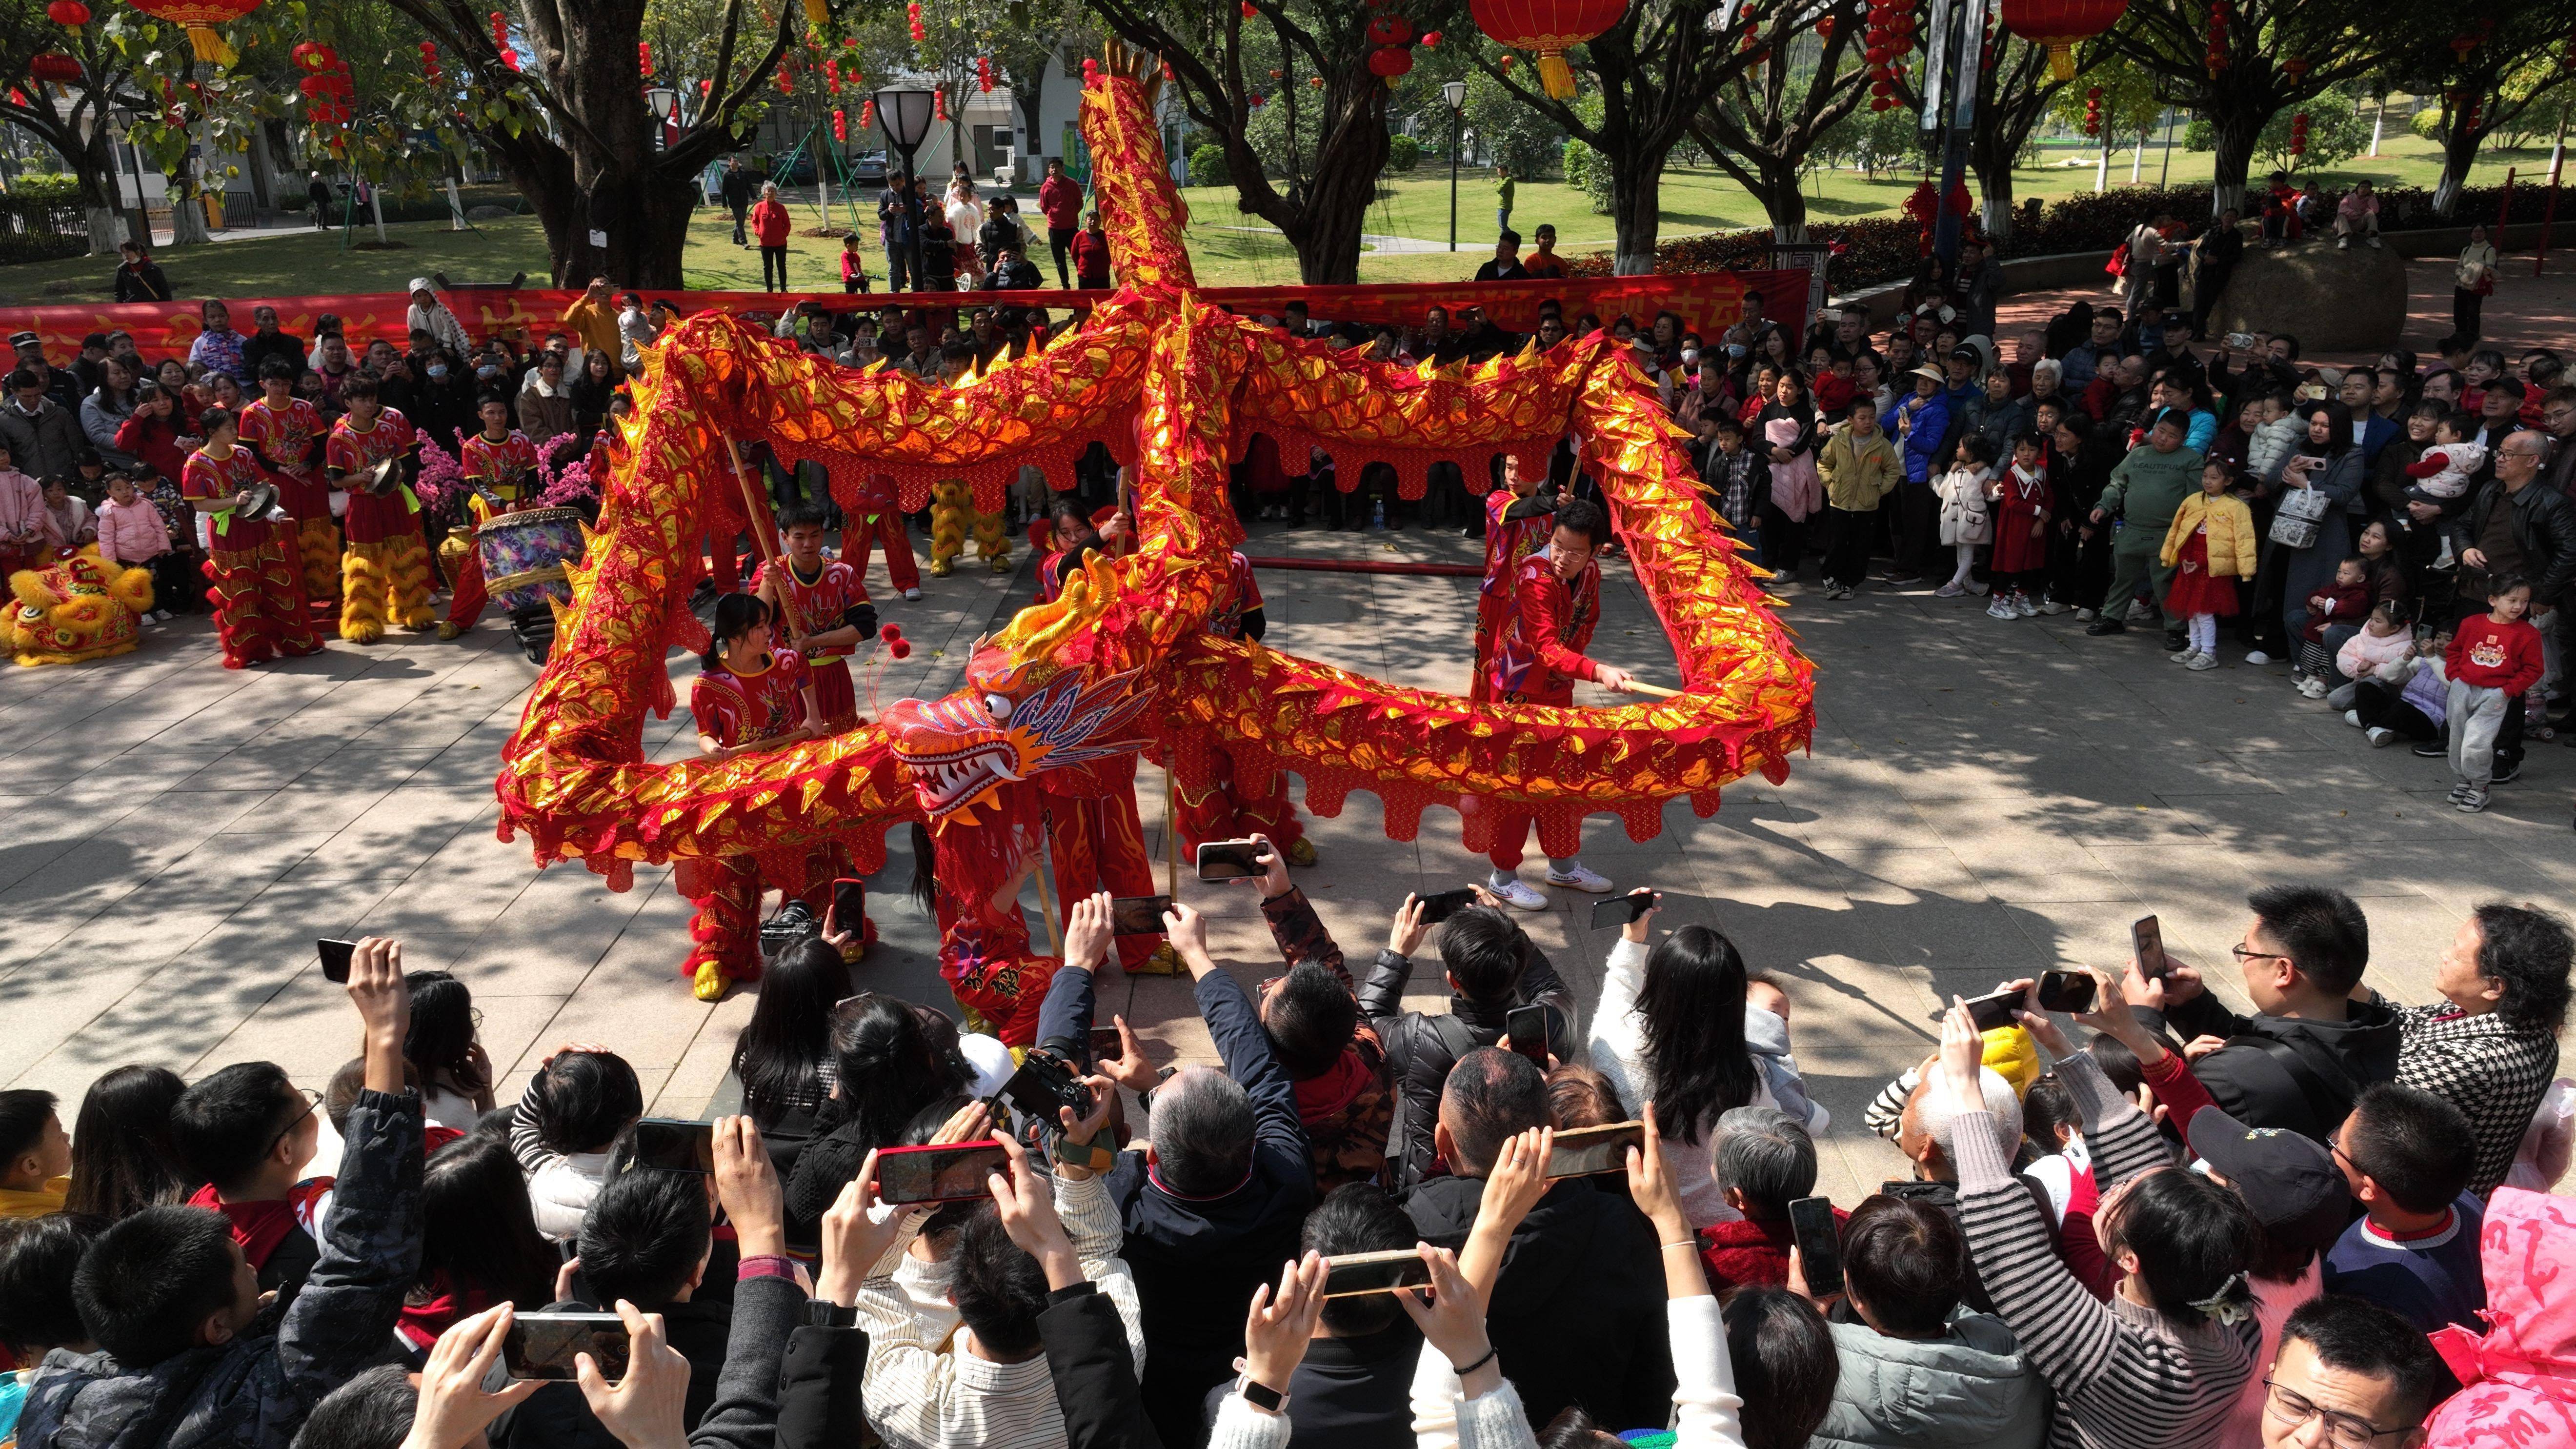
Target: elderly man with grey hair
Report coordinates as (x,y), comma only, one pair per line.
(1763,1160)
(1923,1134)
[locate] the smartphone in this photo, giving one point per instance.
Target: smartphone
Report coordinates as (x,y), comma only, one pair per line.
(2065,991)
(335,959)
(1620,910)
(1105,1043)
(1352,1274)
(1990,1012)
(1138,915)
(1587,1150)
(849,904)
(669,1144)
(1232,859)
(1440,907)
(1820,1244)
(544,1345)
(1525,1031)
(2147,939)
(956,1173)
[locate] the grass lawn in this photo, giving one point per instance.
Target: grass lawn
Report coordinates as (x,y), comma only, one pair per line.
(1230,247)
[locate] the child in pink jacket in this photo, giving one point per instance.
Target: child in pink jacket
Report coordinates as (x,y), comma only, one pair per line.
(132,532)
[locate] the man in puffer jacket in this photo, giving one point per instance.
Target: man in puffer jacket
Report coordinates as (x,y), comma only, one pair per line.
(1917,1371)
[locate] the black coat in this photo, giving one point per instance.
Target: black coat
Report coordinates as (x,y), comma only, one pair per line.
(1095,1378)
(142,282)
(2543,527)
(1578,1311)
(2261,1089)
(1421,1048)
(1350,1393)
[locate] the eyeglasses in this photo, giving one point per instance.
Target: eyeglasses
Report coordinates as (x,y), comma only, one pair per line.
(2348,1430)
(312,1099)
(2243,953)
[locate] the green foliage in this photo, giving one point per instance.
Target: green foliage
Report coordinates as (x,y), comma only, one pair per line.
(1586,169)
(1403,153)
(2337,132)
(2129,103)
(1873,140)
(1514,133)
(2427,123)
(45,186)
(1208,168)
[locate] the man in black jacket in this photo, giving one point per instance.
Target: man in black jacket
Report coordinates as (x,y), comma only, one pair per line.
(1354,1387)
(265,342)
(1492,967)
(2309,1049)
(2514,527)
(187,1357)
(1577,1314)
(138,277)
(1213,1205)
(738,189)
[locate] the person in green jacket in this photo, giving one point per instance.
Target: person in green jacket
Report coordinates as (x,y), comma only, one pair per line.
(1859,468)
(1502,198)
(2145,489)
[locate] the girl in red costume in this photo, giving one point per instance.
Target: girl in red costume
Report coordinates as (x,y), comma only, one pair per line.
(1554,605)
(987,961)
(748,696)
(258,582)
(1516,524)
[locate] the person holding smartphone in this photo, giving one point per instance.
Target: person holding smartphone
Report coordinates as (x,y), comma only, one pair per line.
(1539,640)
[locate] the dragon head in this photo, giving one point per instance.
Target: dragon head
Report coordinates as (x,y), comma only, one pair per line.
(1011,722)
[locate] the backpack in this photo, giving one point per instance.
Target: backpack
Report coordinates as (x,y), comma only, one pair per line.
(2322,1082)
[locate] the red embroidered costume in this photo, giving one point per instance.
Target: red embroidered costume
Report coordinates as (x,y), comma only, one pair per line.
(258,589)
(1507,542)
(288,440)
(877,520)
(507,471)
(384,575)
(1538,655)
(825,602)
(739,709)
(1232,809)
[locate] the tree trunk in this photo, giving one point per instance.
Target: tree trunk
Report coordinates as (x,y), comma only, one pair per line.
(1031,95)
(97,178)
(1332,210)
(1995,196)
(2235,132)
(2459,151)
(187,212)
(1636,206)
(1784,202)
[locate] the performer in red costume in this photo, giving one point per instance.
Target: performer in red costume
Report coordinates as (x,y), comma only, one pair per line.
(748,696)
(285,433)
(1097,843)
(501,464)
(988,962)
(1547,622)
(1516,524)
(384,575)
(1230,810)
(877,520)
(830,607)
(258,590)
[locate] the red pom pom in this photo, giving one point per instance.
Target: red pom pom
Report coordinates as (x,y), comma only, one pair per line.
(890,633)
(899,649)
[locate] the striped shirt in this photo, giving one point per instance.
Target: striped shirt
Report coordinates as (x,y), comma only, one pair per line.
(2125,1377)
(925,1391)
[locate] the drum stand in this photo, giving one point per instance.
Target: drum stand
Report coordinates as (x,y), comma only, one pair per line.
(535,631)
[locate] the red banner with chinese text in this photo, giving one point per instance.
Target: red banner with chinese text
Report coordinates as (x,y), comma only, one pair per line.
(1707,302)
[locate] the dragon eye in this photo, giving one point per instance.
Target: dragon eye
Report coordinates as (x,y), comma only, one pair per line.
(998,707)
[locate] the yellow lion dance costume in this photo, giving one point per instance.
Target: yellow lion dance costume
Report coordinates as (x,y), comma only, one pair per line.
(74,609)
(952,512)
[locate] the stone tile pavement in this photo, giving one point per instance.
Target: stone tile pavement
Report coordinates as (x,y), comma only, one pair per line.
(1984,799)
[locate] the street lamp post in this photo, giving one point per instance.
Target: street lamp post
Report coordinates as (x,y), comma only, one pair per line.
(1455,93)
(664,102)
(905,115)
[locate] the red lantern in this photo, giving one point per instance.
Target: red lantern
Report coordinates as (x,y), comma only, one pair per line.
(840,126)
(2057,25)
(1390,30)
(1318,81)
(429,61)
(201,17)
(70,14)
(1254,100)
(1431,40)
(2298,135)
(1390,61)
(1545,28)
(867,114)
(1248,11)
(1825,28)
(939,105)
(2461,45)
(643,57)
(53,65)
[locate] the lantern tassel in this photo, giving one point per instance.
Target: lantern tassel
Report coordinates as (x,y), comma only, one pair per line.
(2061,60)
(817,13)
(211,46)
(1555,75)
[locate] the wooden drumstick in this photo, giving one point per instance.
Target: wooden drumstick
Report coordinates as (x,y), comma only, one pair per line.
(752,509)
(1639,686)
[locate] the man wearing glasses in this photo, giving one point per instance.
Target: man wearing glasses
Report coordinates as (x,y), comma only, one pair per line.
(2308,1050)
(248,1132)
(2351,1375)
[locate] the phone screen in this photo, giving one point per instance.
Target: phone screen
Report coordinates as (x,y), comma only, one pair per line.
(1440,907)
(1620,910)
(938,1174)
(669,1144)
(1998,1010)
(335,959)
(2147,938)
(1820,1248)
(1525,1028)
(544,1345)
(849,904)
(1352,1274)
(2065,991)
(1138,915)
(1231,859)
(1105,1043)
(1587,1150)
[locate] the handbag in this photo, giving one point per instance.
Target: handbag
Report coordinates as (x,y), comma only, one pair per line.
(2118,266)
(2294,523)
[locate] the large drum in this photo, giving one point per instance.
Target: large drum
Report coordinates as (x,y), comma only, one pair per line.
(524,555)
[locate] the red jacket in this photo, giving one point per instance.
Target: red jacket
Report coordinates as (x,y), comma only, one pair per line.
(770,222)
(1747,1252)
(2489,655)
(1091,257)
(1061,200)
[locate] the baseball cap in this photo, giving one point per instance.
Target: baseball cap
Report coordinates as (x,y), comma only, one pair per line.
(21,339)
(2289,1182)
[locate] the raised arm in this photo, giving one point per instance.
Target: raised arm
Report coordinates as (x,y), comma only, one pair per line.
(1240,1043)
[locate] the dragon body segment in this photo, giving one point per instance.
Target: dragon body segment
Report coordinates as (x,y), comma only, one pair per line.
(1063,700)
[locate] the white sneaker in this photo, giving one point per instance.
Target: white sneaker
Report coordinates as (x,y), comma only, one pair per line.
(910,594)
(2257,656)
(1950,590)
(2001,609)
(2379,735)
(2023,608)
(2312,688)
(2374,242)
(1520,894)
(1579,879)
(2183,656)
(2201,661)
(2054,607)
(1978,586)
(2142,612)
(2086,616)
(2352,717)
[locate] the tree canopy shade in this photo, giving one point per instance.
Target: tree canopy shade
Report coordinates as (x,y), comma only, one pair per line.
(74,121)
(1769,116)
(2277,54)
(2491,74)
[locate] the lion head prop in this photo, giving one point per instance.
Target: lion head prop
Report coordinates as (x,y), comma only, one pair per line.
(75,608)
